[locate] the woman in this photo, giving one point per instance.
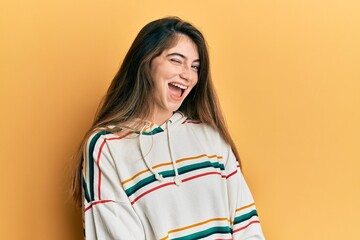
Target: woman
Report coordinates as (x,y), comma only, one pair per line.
(159,162)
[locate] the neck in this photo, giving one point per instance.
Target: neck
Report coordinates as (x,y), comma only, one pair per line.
(160,117)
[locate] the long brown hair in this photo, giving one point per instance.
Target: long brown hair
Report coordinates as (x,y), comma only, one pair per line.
(130,97)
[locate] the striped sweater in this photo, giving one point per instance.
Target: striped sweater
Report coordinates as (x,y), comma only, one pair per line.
(176,181)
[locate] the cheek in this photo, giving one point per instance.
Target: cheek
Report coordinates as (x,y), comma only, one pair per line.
(159,75)
(195,81)
(155,71)
(156,77)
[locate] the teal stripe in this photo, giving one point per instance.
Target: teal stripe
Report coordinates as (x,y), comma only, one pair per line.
(205,233)
(153,132)
(92,162)
(171,173)
(196,166)
(146,181)
(86,192)
(245,217)
(130,191)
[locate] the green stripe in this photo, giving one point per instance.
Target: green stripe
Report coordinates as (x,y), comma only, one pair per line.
(196,166)
(153,132)
(91,161)
(171,173)
(205,233)
(130,191)
(146,181)
(245,217)
(86,192)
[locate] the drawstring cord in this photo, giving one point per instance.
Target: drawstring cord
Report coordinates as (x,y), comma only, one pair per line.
(177,179)
(158,176)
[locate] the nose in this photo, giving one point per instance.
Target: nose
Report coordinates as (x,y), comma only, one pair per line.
(186,73)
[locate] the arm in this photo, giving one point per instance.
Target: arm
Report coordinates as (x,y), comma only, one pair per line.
(244,217)
(108,213)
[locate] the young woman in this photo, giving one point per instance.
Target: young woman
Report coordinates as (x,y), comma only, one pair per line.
(159,162)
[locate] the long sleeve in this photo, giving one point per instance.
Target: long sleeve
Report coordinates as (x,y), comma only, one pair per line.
(107,212)
(244,217)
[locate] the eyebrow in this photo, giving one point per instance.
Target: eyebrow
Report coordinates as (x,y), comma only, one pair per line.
(181,55)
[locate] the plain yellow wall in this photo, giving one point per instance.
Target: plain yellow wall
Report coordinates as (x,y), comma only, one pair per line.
(287,72)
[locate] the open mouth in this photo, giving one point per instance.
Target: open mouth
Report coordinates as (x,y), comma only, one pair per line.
(177,89)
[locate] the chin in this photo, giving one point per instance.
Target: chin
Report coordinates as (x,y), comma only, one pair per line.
(174,107)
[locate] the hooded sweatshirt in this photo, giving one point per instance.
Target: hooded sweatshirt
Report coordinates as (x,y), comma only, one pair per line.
(177,181)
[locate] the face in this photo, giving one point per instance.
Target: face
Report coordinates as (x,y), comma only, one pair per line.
(174,73)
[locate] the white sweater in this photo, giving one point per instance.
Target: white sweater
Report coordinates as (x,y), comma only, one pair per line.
(176,181)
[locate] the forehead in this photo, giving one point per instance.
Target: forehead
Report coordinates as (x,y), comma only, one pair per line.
(185,46)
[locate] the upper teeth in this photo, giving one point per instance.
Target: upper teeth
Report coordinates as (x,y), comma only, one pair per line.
(179,86)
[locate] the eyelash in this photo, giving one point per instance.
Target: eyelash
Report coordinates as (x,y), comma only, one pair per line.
(196,67)
(175,60)
(180,62)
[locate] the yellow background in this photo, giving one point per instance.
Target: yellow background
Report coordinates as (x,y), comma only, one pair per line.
(287,73)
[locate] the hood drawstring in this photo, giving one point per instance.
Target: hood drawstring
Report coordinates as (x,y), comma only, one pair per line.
(159,177)
(177,179)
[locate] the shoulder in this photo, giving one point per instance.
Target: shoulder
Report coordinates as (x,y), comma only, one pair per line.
(98,138)
(203,132)
(201,127)
(93,142)
(100,135)
(96,135)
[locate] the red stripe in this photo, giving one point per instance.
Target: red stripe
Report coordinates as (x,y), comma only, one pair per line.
(172,183)
(97,162)
(97,202)
(201,175)
(151,190)
(98,159)
(193,122)
(242,228)
(234,172)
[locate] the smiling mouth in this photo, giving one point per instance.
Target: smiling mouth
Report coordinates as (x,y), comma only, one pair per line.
(177,89)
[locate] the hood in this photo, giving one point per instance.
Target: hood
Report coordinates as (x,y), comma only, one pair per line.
(151,129)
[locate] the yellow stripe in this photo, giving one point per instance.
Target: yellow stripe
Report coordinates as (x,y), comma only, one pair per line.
(144,171)
(200,156)
(244,207)
(149,127)
(169,163)
(194,225)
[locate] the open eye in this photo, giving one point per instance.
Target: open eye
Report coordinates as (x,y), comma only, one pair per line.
(195,67)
